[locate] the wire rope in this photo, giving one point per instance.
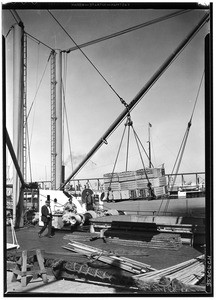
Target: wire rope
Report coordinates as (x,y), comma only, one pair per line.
(38,41)
(93,65)
(127,30)
(137,142)
(38,86)
(117,156)
(38,54)
(64,93)
(10,29)
(183,145)
(29,154)
(151,192)
(65,109)
(15,16)
(143,148)
(66,118)
(128,139)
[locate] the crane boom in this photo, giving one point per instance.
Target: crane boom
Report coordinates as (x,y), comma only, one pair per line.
(139,96)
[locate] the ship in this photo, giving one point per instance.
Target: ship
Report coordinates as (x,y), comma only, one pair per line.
(160,207)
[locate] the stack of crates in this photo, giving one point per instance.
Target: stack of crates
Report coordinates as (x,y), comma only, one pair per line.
(134,184)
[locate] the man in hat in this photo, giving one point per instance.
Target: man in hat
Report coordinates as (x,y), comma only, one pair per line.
(70,206)
(46,218)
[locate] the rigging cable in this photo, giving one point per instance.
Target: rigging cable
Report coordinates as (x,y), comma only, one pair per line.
(38,41)
(129,123)
(16,17)
(29,156)
(12,26)
(113,35)
(38,55)
(143,148)
(182,147)
(139,96)
(120,98)
(38,86)
(151,192)
(27,131)
(186,134)
(65,111)
(117,157)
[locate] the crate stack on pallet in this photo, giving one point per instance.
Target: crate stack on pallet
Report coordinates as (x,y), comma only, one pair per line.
(134,184)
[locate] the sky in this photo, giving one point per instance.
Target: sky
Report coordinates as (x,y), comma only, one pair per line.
(127,62)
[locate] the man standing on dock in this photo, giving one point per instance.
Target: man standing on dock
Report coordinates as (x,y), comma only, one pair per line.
(89,201)
(46,218)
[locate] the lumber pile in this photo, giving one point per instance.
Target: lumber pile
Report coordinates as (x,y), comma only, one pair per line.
(150,235)
(189,272)
(121,262)
(159,241)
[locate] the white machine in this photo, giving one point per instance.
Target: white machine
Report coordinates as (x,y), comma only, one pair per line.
(57,201)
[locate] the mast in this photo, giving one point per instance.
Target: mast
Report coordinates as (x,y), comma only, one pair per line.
(149,141)
(53,119)
(18,119)
(139,96)
(58,118)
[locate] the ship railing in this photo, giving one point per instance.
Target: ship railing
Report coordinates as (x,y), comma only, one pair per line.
(163,213)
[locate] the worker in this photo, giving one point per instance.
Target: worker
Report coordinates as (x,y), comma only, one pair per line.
(70,206)
(151,191)
(89,201)
(46,218)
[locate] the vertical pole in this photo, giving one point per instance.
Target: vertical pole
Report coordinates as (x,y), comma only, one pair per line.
(18,120)
(25,106)
(149,145)
(58,118)
(63,174)
(209,151)
(53,120)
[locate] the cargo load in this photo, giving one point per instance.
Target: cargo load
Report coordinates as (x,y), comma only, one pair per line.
(136,184)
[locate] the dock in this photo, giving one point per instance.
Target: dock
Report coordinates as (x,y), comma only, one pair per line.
(53,248)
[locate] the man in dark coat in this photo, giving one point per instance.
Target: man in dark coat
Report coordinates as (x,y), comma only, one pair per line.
(89,201)
(46,218)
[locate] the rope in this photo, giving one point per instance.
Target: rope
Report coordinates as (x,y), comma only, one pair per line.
(127,30)
(117,157)
(39,86)
(29,156)
(38,41)
(149,183)
(65,110)
(182,146)
(9,30)
(120,98)
(143,149)
(129,123)
(15,16)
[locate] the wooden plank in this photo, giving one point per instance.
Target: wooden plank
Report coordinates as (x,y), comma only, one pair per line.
(24,268)
(121,262)
(186,272)
(99,251)
(41,265)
